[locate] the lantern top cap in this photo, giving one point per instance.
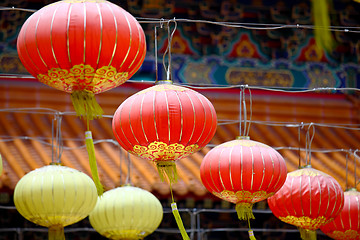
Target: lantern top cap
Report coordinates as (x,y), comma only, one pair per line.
(351,190)
(242,137)
(159,82)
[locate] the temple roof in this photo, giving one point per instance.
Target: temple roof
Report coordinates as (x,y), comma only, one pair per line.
(29,110)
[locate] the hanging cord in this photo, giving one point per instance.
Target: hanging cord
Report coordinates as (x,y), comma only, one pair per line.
(244,110)
(250,118)
(346,176)
(309,142)
(53,141)
(156,54)
(168,49)
(120,163)
(128,178)
(240,110)
(299,138)
(355,157)
(56,139)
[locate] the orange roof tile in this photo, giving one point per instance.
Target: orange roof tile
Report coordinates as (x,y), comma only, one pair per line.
(25,135)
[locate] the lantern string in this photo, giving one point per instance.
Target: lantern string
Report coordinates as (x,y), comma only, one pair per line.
(156,54)
(120,164)
(346,171)
(59,138)
(355,157)
(301,125)
(128,178)
(168,49)
(250,118)
(52,141)
(309,142)
(244,110)
(240,111)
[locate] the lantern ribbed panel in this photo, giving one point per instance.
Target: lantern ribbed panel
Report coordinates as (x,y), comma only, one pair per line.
(308,199)
(164,122)
(82,45)
(243,171)
(55,196)
(126,213)
(347,224)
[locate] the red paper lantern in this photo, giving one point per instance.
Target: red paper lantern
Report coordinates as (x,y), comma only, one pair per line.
(308,200)
(165,123)
(243,172)
(347,224)
(83,47)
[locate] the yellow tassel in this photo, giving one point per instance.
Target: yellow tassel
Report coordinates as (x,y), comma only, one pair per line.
(92,161)
(307,234)
(167,169)
(1,165)
(179,222)
(322,23)
(251,235)
(244,211)
(85,105)
(56,233)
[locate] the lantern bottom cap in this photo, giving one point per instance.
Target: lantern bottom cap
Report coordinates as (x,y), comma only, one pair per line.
(307,234)
(244,211)
(167,170)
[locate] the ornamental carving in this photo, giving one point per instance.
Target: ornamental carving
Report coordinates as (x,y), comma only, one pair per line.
(160,151)
(83,77)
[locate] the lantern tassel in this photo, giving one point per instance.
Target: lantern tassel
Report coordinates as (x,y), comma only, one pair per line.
(251,235)
(307,234)
(244,211)
(177,216)
(167,169)
(322,22)
(85,105)
(179,222)
(92,161)
(251,232)
(56,233)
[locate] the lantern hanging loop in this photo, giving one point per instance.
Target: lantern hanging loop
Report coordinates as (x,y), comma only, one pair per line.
(355,157)
(243,111)
(347,170)
(128,178)
(168,49)
(56,139)
(156,53)
(308,143)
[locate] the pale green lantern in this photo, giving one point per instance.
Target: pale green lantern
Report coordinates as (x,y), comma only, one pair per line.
(55,196)
(126,213)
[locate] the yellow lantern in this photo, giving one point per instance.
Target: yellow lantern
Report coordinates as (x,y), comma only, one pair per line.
(55,196)
(126,213)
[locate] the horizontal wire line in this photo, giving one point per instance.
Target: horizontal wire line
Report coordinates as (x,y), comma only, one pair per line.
(250,26)
(41,140)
